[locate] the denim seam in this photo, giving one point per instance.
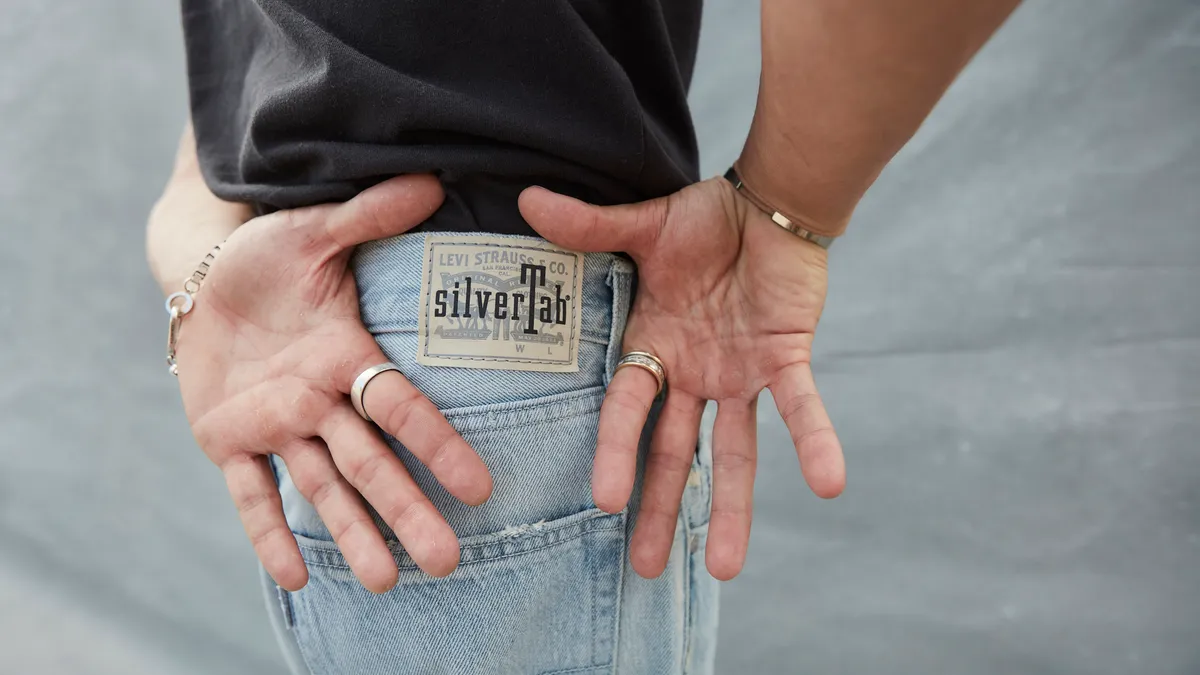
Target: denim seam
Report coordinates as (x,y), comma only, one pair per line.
(620,279)
(689,571)
(583,669)
(385,328)
(521,406)
(304,643)
(285,606)
(616,643)
(539,412)
(557,418)
(412,566)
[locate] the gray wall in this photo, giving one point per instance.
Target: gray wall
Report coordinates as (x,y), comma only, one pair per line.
(1011,353)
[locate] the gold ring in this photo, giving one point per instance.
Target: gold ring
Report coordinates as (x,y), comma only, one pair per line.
(648,362)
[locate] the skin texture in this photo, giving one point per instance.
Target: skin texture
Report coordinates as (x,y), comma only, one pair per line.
(729,301)
(726,329)
(267,358)
(187,220)
(844,85)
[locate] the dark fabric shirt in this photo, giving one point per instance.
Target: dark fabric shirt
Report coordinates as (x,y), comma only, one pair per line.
(297,102)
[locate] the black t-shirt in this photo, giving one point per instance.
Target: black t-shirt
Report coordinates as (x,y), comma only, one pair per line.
(297,102)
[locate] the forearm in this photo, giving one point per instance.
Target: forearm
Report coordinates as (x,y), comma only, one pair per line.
(187,221)
(845,84)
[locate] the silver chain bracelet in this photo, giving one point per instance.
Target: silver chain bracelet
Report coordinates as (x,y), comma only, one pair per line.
(180,303)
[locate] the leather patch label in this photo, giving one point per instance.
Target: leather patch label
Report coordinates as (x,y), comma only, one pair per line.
(501,303)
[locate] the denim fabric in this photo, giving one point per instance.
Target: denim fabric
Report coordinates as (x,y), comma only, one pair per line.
(544,585)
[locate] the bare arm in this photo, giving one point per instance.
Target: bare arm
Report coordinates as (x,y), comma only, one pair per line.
(845,84)
(188,220)
(268,354)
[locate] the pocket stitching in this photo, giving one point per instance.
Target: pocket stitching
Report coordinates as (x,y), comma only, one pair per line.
(404,562)
(473,414)
(517,554)
(583,670)
(514,425)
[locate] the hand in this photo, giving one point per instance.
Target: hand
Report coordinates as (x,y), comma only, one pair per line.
(729,302)
(266,360)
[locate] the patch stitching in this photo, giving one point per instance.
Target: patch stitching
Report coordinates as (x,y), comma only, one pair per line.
(568,364)
(466,357)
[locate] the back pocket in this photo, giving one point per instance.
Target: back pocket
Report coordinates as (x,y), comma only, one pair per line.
(538,599)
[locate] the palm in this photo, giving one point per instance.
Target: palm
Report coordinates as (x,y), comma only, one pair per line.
(267,357)
(730,303)
(249,332)
(729,300)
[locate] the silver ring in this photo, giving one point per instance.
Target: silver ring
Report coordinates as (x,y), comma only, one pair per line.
(360,385)
(648,362)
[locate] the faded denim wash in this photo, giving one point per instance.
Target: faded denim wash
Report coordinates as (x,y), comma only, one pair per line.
(544,585)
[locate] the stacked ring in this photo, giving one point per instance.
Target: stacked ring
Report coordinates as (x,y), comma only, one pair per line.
(648,362)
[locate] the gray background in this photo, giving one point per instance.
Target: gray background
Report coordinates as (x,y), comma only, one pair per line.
(1011,353)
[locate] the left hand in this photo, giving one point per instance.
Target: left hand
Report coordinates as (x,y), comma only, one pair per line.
(729,302)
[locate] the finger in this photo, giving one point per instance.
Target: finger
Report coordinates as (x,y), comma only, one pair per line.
(622,418)
(256,496)
(735,454)
(390,208)
(812,433)
(403,411)
(375,471)
(668,466)
(580,226)
(341,509)
(260,420)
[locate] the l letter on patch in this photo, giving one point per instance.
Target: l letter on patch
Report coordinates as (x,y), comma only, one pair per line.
(500,303)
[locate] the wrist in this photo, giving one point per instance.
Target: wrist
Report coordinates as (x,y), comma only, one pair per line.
(814,200)
(173,247)
(183,227)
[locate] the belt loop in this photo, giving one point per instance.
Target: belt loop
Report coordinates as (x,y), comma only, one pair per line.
(620,279)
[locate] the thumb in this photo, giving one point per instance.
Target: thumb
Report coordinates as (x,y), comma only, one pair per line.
(580,226)
(392,207)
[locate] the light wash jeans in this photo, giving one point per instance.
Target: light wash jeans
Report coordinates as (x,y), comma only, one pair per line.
(544,585)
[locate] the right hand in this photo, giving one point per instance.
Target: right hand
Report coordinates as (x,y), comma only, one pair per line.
(266,360)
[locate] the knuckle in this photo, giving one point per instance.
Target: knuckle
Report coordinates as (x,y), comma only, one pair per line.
(737,509)
(627,402)
(400,516)
(732,460)
(319,494)
(302,411)
(657,216)
(668,463)
(365,471)
(798,404)
(610,447)
(340,529)
(259,537)
(208,438)
(249,502)
(221,435)
(659,505)
(403,412)
(594,221)
(809,436)
(443,448)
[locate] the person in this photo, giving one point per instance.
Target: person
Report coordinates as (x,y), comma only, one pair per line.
(480,231)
